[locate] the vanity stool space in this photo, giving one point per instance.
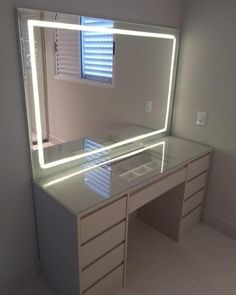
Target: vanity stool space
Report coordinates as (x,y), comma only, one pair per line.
(83,231)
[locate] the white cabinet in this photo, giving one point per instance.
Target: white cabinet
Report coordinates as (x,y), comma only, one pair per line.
(102,244)
(85,253)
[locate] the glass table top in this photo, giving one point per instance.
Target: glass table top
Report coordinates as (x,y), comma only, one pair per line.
(92,182)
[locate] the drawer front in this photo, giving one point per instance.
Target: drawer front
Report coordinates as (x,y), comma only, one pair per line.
(194,185)
(197,167)
(192,202)
(102,244)
(189,221)
(97,222)
(156,189)
(111,283)
(102,267)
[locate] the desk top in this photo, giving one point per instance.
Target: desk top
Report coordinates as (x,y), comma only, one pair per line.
(87,185)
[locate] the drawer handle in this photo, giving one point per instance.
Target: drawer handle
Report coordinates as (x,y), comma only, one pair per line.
(102,278)
(191,196)
(196,176)
(87,266)
(101,233)
(191,211)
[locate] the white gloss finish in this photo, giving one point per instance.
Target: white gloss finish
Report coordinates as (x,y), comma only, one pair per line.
(70,189)
(45,24)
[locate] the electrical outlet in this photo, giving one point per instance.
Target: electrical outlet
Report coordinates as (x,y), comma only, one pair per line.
(148,106)
(201,118)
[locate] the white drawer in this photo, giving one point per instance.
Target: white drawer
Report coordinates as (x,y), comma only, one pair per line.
(98,221)
(190,220)
(102,244)
(102,267)
(197,167)
(194,185)
(111,283)
(192,202)
(156,189)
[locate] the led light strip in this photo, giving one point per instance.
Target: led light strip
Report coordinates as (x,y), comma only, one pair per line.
(163,156)
(55,25)
(60,179)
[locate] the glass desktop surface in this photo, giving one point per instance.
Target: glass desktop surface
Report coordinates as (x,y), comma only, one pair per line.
(82,187)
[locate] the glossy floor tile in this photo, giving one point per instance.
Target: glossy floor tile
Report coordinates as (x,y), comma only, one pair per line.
(36,287)
(202,263)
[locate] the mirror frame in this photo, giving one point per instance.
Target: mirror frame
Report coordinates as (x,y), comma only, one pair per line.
(150,31)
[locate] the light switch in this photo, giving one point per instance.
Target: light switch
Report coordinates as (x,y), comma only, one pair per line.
(201,118)
(148,106)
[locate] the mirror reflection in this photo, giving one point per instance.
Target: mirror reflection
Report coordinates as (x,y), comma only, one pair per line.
(94,84)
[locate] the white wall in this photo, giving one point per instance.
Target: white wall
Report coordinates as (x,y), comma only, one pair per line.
(207,81)
(78,109)
(18,253)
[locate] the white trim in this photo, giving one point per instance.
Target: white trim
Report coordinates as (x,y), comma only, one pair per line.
(55,140)
(219,224)
(46,24)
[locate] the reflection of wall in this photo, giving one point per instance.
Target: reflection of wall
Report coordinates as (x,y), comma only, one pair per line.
(142,69)
(40,71)
(206,81)
(18,250)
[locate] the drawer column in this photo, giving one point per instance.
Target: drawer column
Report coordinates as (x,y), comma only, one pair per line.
(102,248)
(194,194)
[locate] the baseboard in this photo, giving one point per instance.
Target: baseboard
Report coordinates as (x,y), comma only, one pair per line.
(219,225)
(55,140)
(19,280)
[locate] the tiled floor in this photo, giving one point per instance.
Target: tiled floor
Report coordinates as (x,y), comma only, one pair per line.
(203,263)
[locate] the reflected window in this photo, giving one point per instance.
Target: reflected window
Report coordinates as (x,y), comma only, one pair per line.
(97,50)
(67,50)
(86,54)
(97,179)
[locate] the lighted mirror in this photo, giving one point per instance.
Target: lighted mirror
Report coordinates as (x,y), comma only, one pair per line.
(93,86)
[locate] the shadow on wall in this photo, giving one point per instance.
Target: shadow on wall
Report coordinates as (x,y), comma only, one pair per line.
(221,186)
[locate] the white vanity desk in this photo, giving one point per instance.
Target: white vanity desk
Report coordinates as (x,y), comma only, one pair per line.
(82,218)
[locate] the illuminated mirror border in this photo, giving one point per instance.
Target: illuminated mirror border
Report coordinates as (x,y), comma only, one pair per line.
(122,157)
(32,24)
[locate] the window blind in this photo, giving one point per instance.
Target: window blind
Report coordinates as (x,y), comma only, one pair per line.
(67,53)
(97,50)
(98,179)
(84,54)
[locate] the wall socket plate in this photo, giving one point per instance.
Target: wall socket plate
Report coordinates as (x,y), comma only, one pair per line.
(201,118)
(148,106)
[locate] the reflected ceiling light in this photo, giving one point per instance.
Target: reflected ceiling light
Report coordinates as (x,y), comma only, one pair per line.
(60,179)
(56,25)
